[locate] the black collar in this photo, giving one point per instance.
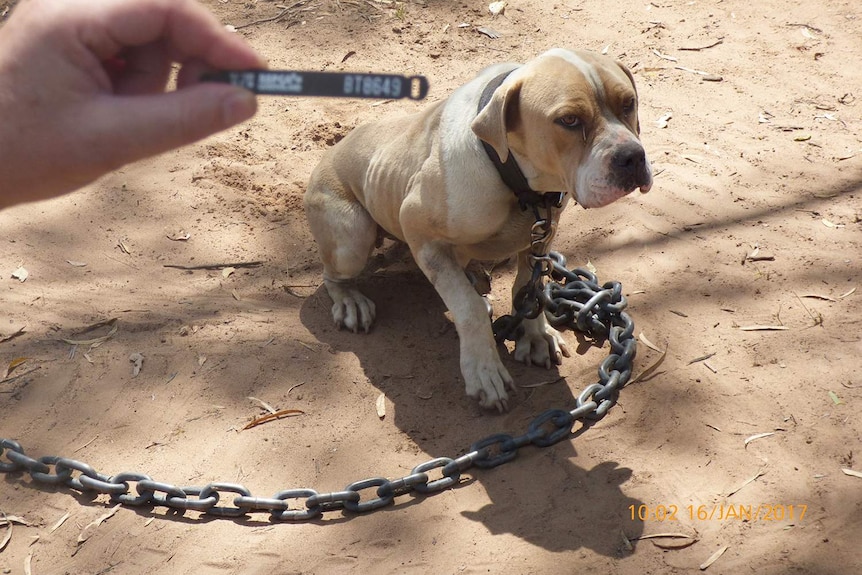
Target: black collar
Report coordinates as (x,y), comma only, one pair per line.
(510,171)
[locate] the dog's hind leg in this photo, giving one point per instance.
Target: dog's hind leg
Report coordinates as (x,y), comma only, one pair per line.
(345,234)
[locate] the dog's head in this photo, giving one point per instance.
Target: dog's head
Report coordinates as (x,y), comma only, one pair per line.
(571,121)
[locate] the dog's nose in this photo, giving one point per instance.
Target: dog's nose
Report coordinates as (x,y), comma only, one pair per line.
(629,159)
(629,165)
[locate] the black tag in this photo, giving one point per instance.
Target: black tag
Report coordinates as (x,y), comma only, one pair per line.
(333,84)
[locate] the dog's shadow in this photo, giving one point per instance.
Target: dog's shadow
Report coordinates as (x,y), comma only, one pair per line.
(412,356)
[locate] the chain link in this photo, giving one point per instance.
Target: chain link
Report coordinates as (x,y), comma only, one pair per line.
(571,298)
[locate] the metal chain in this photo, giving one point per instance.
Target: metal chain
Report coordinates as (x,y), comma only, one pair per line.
(597,311)
(571,297)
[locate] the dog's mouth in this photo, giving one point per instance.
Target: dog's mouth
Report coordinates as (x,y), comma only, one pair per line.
(599,193)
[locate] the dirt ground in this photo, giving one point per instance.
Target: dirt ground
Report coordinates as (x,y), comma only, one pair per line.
(766,162)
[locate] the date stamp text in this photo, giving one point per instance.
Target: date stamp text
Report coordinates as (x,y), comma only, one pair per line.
(718,512)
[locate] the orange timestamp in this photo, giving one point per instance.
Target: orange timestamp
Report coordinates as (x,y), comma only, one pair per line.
(718,512)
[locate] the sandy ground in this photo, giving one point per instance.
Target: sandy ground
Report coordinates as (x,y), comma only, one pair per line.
(767,161)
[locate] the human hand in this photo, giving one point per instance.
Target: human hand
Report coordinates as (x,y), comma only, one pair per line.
(82,88)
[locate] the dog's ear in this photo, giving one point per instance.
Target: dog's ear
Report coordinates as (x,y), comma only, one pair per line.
(631,77)
(498,117)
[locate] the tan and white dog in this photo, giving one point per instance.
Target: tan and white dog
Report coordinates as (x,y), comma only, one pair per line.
(569,119)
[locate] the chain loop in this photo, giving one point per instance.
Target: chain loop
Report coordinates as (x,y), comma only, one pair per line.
(371,504)
(311,511)
(144,496)
(507,450)
(402,486)
(12,447)
(213,489)
(445,482)
(333,500)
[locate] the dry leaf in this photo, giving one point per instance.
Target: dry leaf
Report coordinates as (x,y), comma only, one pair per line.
(756,437)
(747,481)
(381,406)
(235,295)
(497,8)
(272,417)
(8,535)
(648,343)
(701,358)
(686,540)
(59,522)
(842,296)
(87,532)
(123,247)
(663,535)
(137,362)
(665,56)
(764,328)
(818,296)
(755,256)
(20,274)
(628,544)
(663,119)
(21,332)
(713,558)
(180,237)
(202,359)
(490,33)
(649,370)
(76,264)
(590,267)
(97,340)
(28,560)
(834,397)
(226,272)
(826,223)
(16,519)
(852,473)
(263,404)
(12,365)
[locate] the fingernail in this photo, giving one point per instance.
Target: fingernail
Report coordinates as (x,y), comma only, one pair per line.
(238,107)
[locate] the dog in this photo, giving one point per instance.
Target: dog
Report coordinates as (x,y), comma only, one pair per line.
(568,119)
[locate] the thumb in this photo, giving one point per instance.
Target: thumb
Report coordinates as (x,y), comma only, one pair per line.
(130,128)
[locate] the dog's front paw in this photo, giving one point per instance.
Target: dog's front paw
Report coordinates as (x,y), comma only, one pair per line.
(541,344)
(486,380)
(350,308)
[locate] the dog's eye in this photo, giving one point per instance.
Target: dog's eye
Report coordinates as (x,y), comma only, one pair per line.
(569,121)
(629,106)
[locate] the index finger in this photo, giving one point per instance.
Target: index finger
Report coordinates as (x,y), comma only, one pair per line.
(187,31)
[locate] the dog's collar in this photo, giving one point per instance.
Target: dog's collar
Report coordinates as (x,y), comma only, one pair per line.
(510,172)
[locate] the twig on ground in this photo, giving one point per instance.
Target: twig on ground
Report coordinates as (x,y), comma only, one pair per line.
(707,47)
(253,264)
(275,18)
